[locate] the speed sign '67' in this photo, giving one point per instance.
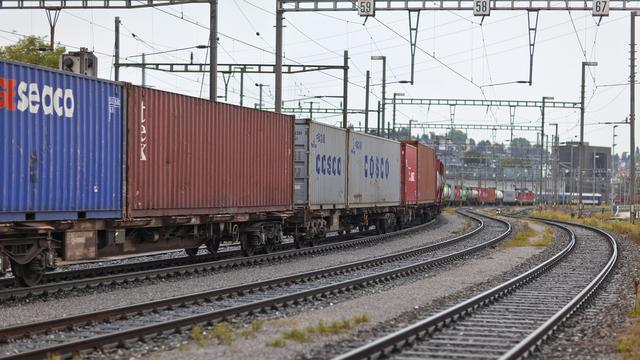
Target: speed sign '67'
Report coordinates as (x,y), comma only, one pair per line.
(600,8)
(481,8)
(366,7)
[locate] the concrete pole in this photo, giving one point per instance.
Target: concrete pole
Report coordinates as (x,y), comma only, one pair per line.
(581,150)
(213,56)
(384,86)
(242,86)
(345,88)
(366,103)
(379,114)
(278,68)
(116,52)
(632,117)
(144,71)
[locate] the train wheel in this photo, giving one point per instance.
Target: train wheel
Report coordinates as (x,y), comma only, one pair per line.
(29,274)
(191,251)
(213,245)
(313,241)
(381,226)
(248,244)
(299,241)
(269,245)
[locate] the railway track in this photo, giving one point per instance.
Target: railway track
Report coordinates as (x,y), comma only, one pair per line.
(138,271)
(109,327)
(512,319)
(126,265)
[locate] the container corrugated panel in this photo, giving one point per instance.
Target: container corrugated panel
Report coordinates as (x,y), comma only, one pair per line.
(301,164)
(374,171)
(60,145)
(409,174)
(487,195)
(327,166)
(188,156)
(428,166)
(458,193)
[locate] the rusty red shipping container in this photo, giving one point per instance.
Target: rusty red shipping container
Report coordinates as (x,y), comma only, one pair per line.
(427,173)
(487,195)
(409,159)
(188,156)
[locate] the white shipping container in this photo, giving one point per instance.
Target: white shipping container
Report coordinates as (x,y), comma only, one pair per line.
(325,166)
(374,171)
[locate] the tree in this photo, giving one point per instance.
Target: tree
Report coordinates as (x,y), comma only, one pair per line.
(28,50)
(472,142)
(484,146)
(520,147)
(458,137)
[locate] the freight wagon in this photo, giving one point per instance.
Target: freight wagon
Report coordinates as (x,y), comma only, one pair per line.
(112,168)
(346,180)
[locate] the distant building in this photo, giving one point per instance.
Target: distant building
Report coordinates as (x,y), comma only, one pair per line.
(569,159)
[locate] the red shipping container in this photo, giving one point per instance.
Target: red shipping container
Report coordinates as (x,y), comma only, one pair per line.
(409,159)
(427,173)
(188,156)
(487,195)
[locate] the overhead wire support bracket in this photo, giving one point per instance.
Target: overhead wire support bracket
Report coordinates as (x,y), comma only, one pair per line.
(492,127)
(488,103)
(231,68)
(532,21)
(91,4)
(413,38)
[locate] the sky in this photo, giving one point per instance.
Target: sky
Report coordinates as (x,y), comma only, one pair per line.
(457,57)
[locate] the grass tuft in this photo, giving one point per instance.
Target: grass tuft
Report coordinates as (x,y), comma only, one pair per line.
(320,329)
(299,336)
(546,240)
(223,333)
(522,237)
(277,343)
(198,335)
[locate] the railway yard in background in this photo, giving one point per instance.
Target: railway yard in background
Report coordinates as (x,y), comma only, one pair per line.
(309,179)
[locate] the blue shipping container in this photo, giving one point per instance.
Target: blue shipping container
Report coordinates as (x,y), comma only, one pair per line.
(60,145)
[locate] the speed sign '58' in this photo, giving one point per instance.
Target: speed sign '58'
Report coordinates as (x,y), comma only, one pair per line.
(366,7)
(481,7)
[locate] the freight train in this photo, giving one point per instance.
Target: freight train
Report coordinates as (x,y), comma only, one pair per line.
(92,168)
(457,195)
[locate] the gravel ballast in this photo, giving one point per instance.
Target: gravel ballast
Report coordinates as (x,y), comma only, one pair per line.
(592,332)
(387,308)
(123,294)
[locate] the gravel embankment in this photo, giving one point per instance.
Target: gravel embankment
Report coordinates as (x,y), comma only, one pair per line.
(387,307)
(123,294)
(592,332)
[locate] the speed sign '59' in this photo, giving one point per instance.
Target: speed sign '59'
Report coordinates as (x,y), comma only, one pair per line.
(366,7)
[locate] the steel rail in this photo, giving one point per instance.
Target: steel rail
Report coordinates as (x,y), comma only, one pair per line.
(529,344)
(120,275)
(407,336)
(207,317)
